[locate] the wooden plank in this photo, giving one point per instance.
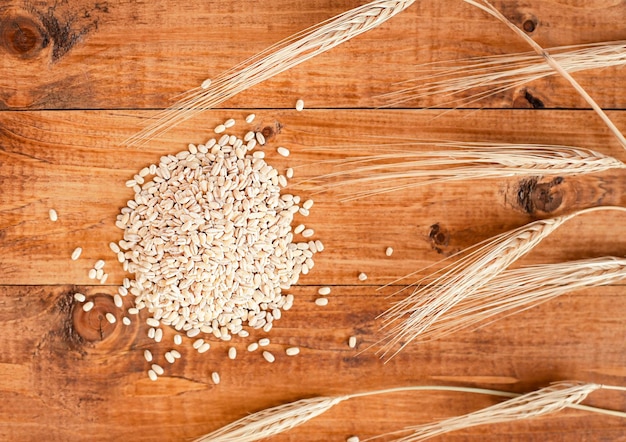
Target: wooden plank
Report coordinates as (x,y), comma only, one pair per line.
(72,162)
(79,77)
(59,386)
(135,54)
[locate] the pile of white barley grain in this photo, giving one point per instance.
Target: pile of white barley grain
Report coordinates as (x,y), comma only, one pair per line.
(209,239)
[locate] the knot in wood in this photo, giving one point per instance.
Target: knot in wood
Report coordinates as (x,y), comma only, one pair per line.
(22,37)
(93,325)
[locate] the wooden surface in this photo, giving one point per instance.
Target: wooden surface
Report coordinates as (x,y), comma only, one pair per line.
(79,77)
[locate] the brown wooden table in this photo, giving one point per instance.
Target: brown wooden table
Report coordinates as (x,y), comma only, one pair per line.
(78,77)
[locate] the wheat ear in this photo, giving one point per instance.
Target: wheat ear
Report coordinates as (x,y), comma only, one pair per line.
(430,303)
(500,73)
(272,61)
(275,420)
(547,400)
(514,291)
(493,11)
(393,167)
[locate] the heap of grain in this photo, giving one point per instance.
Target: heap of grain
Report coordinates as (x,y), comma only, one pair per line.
(209,240)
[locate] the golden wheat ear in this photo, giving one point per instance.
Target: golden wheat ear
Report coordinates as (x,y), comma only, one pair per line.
(538,403)
(514,291)
(478,266)
(272,61)
(491,75)
(386,168)
(272,421)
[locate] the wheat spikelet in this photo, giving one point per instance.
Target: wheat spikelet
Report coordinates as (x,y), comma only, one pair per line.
(496,74)
(272,61)
(409,318)
(517,290)
(271,421)
(393,167)
(538,403)
(484,5)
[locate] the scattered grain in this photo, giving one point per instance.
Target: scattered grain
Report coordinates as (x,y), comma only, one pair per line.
(169,357)
(204,347)
(151,332)
(353,439)
(389,251)
(229,123)
(253,347)
(79,297)
(260,138)
(307,204)
(321,302)
(178,339)
(299,229)
(114,247)
(269,357)
(53,215)
(158,369)
(198,343)
(307,233)
(152,375)
(126,320)
(292,351)
(206,83)
(88,306)
(289,172)
(362,276)
(92,273)
(147,354)
(117,300)
(215,377)
(324,291)
(153,322)
(352,341)
(299,105)
(76,253)
(283,151)
(219,128)
(104,278)
(158,335)
(250,118)
(264,342)
(99,264)
(175,353)
(232,353)
(192,333)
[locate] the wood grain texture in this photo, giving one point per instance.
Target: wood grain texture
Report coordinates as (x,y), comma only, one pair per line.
(89,54)
(78,77)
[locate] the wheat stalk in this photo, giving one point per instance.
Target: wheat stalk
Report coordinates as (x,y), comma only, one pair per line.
(430,303)
(547,400)
(272,61)
(275,420)
(393,167)
(514,291)
(493,11)
(499,73)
